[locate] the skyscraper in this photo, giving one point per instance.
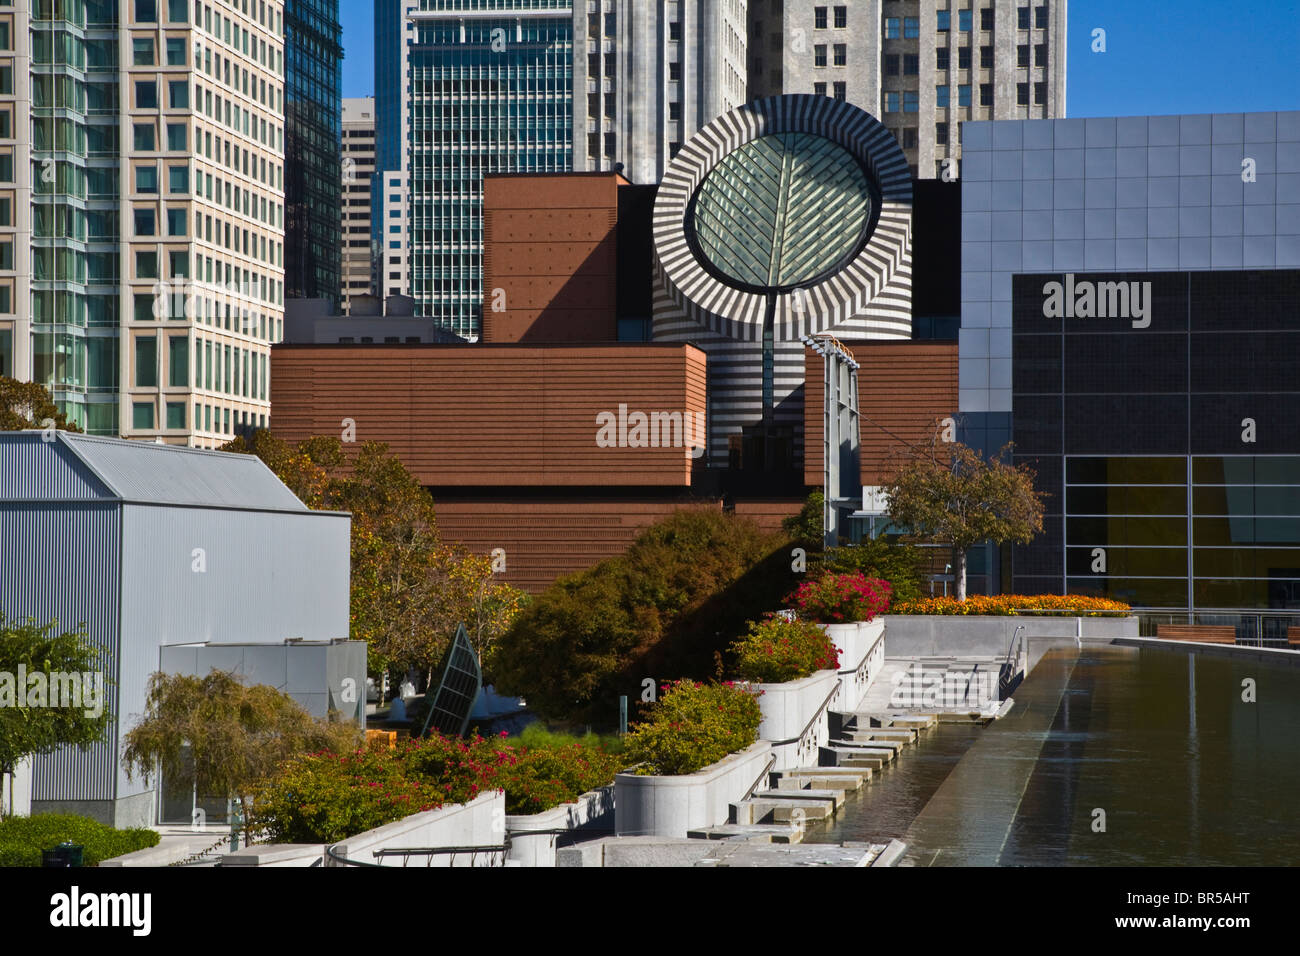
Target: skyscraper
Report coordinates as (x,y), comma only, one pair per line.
(921,66)
(313,106)
(390,214)
(141,252)
(358,170)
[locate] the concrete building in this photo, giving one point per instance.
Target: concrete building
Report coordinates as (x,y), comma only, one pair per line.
(389,200)
(141,237)
(313,104)
(358,174)
(922,66)
(314,322)
(150,547)
(1129,318)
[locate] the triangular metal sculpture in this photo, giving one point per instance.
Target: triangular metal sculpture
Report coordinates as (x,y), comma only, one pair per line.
(462,679)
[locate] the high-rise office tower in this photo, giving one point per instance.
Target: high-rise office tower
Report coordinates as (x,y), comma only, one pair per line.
(655,74)
(390,212)
(921,66)
(358,170)
(470,87)
(141,219)
(313,105)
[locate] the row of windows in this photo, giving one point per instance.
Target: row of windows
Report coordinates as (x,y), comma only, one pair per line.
(909,64)
(909,101)
(911,26)
(820,21)
(192,304)
(214,419)
(841,54)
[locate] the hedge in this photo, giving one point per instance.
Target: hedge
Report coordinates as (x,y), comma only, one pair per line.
(778,650)
(23,838)
(692,726)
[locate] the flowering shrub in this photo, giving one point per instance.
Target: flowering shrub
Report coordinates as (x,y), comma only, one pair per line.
(841,598)
(692,726)
(777,649)
(322,798)
(1005,604)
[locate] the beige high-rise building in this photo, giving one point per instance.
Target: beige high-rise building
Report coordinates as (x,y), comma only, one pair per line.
(144,216)
(921,66)
(358,170)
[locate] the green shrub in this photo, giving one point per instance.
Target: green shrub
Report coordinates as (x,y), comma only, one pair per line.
(668,606)
(886,558)
(23,838)
(323,798)
(692,726)
(841,598)
(777,650)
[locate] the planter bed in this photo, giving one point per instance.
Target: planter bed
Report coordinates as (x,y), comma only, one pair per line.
(669,806)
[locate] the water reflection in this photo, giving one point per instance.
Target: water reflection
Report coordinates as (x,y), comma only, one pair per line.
(1127,757)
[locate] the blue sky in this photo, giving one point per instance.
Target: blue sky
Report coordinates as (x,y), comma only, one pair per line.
(1162,56)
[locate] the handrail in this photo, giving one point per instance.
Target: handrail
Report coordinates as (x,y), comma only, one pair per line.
(816,713)
(408,852)
(767,768)
(1008,670)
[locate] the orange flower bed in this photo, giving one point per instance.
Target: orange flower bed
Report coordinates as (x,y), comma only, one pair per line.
(1007,604)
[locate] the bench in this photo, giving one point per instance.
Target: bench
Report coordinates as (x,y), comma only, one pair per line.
(1293,637)
(1201,633)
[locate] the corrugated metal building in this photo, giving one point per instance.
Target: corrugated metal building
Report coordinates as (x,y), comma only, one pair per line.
(148,546)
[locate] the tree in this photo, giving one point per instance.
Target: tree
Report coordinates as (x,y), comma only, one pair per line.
(27,405)
(807,528)
(409,588)
(37,719)
(680,594)
(949,493)
(884,557)
(238,735)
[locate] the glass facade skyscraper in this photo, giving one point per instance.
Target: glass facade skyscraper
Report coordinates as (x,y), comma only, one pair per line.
(489,94)
(313,108)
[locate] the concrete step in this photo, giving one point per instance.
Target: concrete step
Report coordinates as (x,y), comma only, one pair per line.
(920,721)
(781,810)
(825,778)
(751,832)
(904,737)
(836,797)
(869,747)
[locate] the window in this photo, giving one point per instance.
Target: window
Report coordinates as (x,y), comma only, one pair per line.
(1022,94)
(674,111)
(945,20)
(1022,18)
(819,55)
(841,54)
(675,148)
(175,414)
(891,101)
(177,222)
(986,57)
(911,64)
(941,58)
(146,11)
(891,64)
(986,94)
(1022,55)
(909,137)
(675,30)
(1040,93)
(911,28)
(963,20)
(674,70)
(146,95)
(842,91)
(986,18)
(963,95)
(1040,54)
(6,79)
(963,58)
(841,18)
(911,101)
(146,179)
(146,361)
(6,255)
(179,92)
(177,140)
(819,89)
(891,28)
(819,18)
(142,414)
(176,11)
(941,95)
(146,265)
(175,51)
(144,222)
(941,134)
(142,51)
(178,179)
(1040,17)
(144,137)
(178,362)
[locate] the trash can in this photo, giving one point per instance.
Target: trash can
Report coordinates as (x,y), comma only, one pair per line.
(62,856)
